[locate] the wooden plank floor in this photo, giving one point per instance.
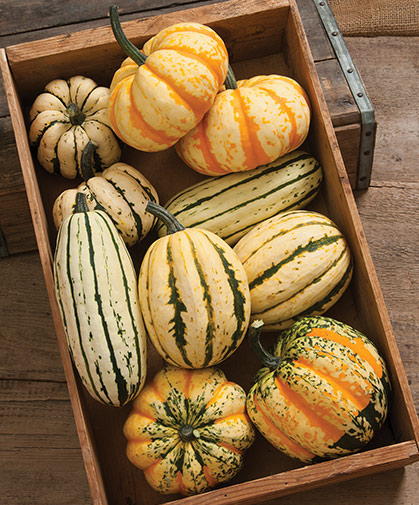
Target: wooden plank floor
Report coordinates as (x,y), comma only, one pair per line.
(41,462)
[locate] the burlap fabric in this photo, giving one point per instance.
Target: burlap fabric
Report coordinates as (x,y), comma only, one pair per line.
(372,18)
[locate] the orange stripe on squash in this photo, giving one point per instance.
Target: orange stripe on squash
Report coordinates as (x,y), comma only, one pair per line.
(313,413)
(212,482)
(357,347)
(218,393)
(111,107)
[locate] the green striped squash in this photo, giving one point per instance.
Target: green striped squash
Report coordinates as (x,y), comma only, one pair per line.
(232,204)
(96,290)
(297,263)
(122,192)
(188,430)
(323,392)
(194,295)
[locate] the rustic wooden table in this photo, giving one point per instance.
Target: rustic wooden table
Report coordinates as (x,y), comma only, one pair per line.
(41,459)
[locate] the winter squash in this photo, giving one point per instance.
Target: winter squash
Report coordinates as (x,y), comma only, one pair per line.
(62,121)
(162,92)
(230,205)
(194,295)
(253,122)
(96,290)
(188,430)
(298,263)
(121,191)
(323,391)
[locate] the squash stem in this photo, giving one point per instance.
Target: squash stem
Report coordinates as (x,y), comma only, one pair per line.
(186,433)
(267,359)
(130,50)
(86,162)
(171,223)
(81,204)
(230,82)
(75,115)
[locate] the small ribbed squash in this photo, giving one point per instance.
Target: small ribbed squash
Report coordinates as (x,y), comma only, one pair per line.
(188,430)
(194,295)
(122,192)
(64,118)
(298,263)
(323,391)
(160,94)
(257,122)
(230,205)
(96,291)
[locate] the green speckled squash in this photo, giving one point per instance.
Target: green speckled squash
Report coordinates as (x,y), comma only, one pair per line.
(230,205)
(194,295)
(188,430)
(324,390)
(96,290)
(298,263)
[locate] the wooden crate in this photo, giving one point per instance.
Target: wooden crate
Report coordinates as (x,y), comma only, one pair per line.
(262,36)
(15,217)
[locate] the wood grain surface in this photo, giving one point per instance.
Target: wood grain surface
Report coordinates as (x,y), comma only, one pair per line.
(41,462)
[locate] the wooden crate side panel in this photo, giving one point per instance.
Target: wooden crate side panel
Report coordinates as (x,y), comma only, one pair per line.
(340,201)
(41,233)
(348,138)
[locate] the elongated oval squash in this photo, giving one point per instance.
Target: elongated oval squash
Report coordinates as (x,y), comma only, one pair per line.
(323,392)
(253,124)
(96,290)
(297,263)
(188,430)
(122,192)
(230,205)
(158,95)
(194,295)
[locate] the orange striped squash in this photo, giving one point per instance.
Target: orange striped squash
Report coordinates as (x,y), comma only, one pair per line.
(323,392)
(160,94)
(250,125)
(188,430)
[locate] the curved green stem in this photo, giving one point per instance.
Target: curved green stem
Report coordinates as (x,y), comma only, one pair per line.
(81,204)
(130,50)
(171,223)
(230,82)
(86,162)
(75,115)
(267,359)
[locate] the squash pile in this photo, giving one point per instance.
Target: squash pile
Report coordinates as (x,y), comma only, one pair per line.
(231,256)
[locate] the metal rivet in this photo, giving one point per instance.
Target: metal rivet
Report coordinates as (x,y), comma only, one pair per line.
(360,94)
(321,3)
(334,33)
(366,153)
(350,70)
(368,134)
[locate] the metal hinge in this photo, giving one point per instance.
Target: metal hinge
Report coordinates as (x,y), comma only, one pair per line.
(3,245)
(368,124)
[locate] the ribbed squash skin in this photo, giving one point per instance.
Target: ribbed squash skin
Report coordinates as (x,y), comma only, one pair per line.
(203,400)
(194,298)
(153,105)
(96,289)
(297,263)
(230,205)
(263,119)
(59,143)
(122,192)
(329,395)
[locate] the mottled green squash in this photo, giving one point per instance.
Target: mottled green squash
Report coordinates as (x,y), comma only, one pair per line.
(323,391)
(188,430)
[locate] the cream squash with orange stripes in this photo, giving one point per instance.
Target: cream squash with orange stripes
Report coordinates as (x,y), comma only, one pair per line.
(160,94)
(188,430)
(260,120)
(323,392)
